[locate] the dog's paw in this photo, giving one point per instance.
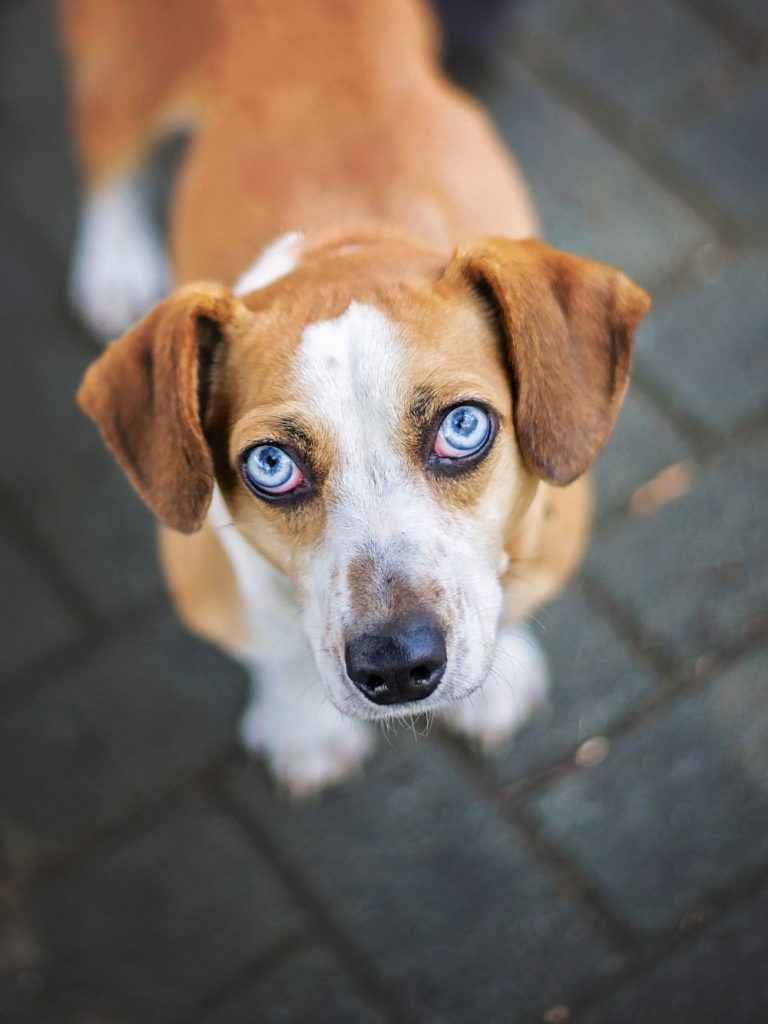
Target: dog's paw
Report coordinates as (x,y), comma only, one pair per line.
(516,685)
(305,753)
(119,269)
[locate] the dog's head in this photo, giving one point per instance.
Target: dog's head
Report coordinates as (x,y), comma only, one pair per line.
(378,421)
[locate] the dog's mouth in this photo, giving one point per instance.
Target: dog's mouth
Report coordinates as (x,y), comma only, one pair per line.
(350,702)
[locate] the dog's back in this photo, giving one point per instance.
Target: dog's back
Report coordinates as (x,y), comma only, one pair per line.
(311,115)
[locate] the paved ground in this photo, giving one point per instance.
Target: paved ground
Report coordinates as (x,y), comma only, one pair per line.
(612,867)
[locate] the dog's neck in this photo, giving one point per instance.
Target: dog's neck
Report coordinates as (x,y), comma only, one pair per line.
(386,243)
(321,46)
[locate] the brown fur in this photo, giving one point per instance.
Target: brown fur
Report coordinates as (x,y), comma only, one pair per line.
(568,325)
(146,394)
(310,115)
(334,118)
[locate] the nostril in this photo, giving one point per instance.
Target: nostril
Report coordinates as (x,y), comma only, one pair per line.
(376,686)
(421,673)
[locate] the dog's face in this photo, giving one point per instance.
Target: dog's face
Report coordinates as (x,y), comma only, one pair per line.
(374,461)
(378,422)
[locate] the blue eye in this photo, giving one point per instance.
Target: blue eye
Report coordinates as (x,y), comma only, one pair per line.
(269,468)
(464,431)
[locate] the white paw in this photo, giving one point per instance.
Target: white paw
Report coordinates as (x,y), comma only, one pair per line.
(516,685)
(306,749)
(119,268)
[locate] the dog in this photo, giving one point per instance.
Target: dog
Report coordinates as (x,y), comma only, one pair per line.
(364,411)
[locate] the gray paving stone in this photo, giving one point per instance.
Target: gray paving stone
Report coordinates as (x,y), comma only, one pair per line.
(753,13)
(145,930)
(14,1005)
(434,888)
(309,986)
(693,575)
(39,169)
(720,977)
(709,343)
(35,619)
(594,681)
(728,151)
(48,357)
(102,534)
(53,458)
(643,443)
(645,56)
(678,808)
(30,73)
(592,198)
(533,18)
(140,714)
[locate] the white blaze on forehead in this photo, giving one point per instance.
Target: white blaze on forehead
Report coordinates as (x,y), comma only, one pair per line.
(350,374)
(352,377)
(278,259)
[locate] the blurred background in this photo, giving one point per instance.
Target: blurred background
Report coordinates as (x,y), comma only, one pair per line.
(611,867)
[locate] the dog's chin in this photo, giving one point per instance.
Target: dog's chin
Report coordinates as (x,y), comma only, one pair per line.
(349,702)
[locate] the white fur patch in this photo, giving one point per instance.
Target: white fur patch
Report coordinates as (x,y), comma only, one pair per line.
(306,742)
(350,370)
(119,268)
(353,356)
(271,615)
(515,686)
(352,374)
(278,259)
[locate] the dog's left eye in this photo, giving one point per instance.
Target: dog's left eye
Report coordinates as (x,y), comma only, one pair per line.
(463,432)
(270,470)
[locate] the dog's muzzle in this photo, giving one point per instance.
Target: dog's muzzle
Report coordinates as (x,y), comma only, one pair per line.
(400,662)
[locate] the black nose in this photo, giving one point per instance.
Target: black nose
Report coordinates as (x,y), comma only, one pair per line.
(400,662)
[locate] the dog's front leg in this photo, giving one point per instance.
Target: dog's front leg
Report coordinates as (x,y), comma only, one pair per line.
(119,268)
(514,687)
(305,741)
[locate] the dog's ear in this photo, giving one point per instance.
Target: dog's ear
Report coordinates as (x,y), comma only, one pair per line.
(567,326)
(147,394)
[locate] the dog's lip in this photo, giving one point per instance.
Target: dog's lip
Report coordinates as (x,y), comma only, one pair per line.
(357,706)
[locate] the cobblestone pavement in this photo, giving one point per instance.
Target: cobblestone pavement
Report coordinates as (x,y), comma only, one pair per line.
(612,866)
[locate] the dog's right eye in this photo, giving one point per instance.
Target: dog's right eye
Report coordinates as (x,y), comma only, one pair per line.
(270,470)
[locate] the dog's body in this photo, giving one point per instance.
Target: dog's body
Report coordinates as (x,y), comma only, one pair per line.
(332,174)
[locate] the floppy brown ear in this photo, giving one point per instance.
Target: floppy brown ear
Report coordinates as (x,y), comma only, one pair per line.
(568,325)
(146,393)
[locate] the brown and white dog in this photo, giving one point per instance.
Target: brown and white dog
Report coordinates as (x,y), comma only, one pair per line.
(364,413)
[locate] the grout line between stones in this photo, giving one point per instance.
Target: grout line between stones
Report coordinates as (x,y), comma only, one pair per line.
(246,977)
(642,951)
(572,881)
(142,814)
(34,679)
(702,439)
(22,532)
(380,995)
(685,684)
(661,660)
(655,948)
(643,143)
(724,19)
(703,456)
